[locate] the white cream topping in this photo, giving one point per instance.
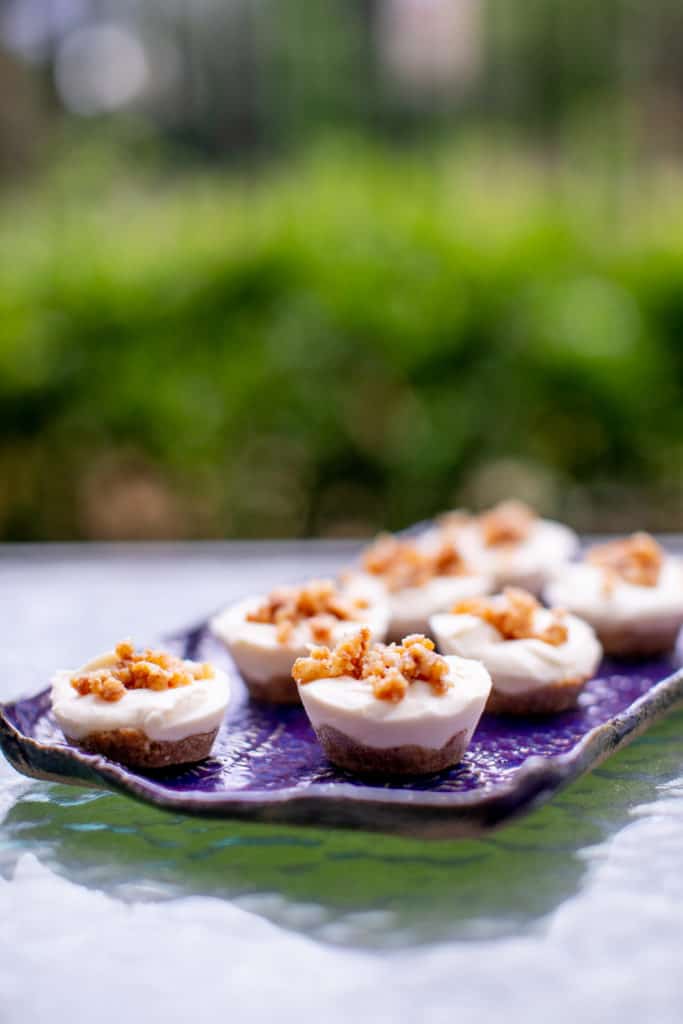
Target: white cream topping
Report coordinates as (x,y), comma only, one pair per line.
(170,714)
(528,563)
(422,717)
(258,653)
(412,607)
(581,588)
(519,666)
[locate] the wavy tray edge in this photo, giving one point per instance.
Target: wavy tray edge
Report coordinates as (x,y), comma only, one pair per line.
(340,805)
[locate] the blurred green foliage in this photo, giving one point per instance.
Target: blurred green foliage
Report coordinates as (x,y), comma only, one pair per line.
(359,339)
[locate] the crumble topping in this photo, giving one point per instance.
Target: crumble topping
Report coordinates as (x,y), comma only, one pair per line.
(150,670)
(636,559)
(454,520)
(318,602)
(509,522)
(390,668)
(514,615)
(401,563)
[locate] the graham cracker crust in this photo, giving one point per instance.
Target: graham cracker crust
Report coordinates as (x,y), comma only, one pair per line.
(408,759)
(276,690)
(544,700)
(627,642)
(134,748)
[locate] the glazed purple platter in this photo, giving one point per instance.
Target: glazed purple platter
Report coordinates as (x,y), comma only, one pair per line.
(267,766)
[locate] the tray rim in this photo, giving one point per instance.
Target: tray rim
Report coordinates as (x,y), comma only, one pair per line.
(342,804)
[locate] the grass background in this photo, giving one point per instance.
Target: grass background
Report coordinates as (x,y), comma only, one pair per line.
(357,338)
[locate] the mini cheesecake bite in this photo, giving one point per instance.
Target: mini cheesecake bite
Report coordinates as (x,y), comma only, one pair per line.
(630,591)
(265,635)
(421,577)
(146,709)
(539,659)
(397,709)
(512,544)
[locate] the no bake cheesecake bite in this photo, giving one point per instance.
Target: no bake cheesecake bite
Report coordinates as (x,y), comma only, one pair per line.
(511,543)
(397,709)
(630,591)
(265,635)
(147,709)
(539,659)
(421,577)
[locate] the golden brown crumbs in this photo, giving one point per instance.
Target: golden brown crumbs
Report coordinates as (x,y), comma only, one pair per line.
(514,616)
(509,522)
(150,670)
(402,563)
(321,629)
(390,668)
(453,521)
(319,602)
(637,559)
(284,631)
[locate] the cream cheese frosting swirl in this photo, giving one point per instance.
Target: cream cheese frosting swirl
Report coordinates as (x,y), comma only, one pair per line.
(421,718)
(521,665)
(584,590)
(172,714)
(527,563)
(261,655)
(422,575)
(411,607)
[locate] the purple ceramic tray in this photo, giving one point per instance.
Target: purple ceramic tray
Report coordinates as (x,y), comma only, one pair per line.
(268,767)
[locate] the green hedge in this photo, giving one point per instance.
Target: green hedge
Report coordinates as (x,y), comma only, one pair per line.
(358,338)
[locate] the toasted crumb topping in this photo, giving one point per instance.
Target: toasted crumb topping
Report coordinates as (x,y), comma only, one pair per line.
(402,563)
(319,602)
(390,668)
(143,670)
(509,522)
(514,616)
(451,522)
(636,559)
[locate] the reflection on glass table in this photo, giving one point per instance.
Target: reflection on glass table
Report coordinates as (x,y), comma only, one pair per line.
(342,887)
